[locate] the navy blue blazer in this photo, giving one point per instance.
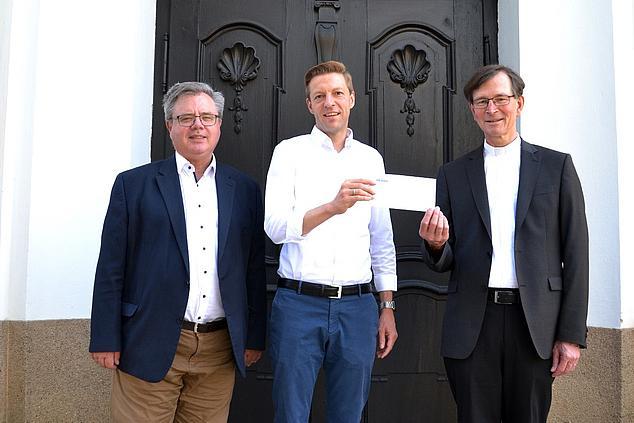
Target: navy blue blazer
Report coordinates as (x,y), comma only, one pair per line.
(142,278)
(551,249)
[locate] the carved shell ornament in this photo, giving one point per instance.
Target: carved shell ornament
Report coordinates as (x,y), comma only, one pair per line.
(238,65)
(409,68)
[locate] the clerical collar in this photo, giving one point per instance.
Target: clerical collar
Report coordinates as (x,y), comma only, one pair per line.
(510,148)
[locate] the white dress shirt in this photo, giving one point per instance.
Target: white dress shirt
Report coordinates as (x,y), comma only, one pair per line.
(200,203)
(502,169)
(306,172)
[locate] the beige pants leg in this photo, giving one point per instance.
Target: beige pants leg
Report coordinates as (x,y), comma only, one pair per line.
(197,388)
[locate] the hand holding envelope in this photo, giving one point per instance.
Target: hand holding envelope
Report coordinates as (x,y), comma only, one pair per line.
(351,191)
(404,192)
(417,194)
(434,228)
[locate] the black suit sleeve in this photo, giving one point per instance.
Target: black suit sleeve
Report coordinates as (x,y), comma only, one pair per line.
(256,280)
(574,245)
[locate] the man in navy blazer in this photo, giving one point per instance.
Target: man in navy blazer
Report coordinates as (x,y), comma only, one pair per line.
(180,292)
(510,225)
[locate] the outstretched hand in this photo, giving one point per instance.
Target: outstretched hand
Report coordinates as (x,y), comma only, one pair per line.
(434,228)
(351,191)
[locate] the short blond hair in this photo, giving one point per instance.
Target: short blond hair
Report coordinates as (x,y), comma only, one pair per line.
(331,66)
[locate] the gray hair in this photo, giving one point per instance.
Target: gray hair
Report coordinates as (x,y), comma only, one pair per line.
(191,88)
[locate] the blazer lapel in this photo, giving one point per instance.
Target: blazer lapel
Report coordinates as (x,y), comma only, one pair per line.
(477,181)
(225,187)
(529,169)
(170,188)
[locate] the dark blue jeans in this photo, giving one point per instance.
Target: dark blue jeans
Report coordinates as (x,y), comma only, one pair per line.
(307,333)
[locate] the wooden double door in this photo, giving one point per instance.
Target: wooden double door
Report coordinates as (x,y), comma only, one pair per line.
(409,60)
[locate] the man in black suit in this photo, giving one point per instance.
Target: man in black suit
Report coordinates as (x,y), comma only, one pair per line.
(510,225)
(180,291)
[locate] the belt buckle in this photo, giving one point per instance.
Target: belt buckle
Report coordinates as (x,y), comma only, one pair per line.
(498,300)
(195,327)
(339,290)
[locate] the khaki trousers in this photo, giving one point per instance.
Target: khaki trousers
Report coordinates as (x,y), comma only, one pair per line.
(197,388)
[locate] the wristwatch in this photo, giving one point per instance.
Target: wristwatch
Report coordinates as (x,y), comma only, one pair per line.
(387,304)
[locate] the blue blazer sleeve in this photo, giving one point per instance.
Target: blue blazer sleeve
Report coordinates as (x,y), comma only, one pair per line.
(256,280)
(106,304)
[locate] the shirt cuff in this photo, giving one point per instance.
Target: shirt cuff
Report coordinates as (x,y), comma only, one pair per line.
(295,226)
(386,282)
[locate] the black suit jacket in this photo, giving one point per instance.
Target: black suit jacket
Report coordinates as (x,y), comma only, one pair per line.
(142,278)
(551,249)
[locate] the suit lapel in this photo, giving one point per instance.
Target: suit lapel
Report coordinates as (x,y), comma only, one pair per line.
(529,169)
(477,181)
(170,188)
(225,187)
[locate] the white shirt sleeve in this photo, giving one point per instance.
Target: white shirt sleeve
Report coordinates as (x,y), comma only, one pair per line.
(283,222)
(382,251)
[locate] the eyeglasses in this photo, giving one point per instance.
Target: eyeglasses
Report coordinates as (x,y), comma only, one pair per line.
(498,100)
(207,119)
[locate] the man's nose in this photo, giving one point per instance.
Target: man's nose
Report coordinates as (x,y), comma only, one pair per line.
(198,122)
(491,107)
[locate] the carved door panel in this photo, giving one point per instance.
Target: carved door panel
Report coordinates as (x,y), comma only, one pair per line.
(409,60)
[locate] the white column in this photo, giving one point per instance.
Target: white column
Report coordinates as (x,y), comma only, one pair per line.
(567,59)
(79,111)
(623,39)
(18,61)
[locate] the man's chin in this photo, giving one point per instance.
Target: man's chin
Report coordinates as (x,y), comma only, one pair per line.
(330,129)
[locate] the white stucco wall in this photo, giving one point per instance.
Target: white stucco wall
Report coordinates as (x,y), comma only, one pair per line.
(78,112)
(571,70)
(623,38)
(18,39)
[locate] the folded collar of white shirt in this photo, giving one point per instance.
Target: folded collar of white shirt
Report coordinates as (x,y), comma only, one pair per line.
(184,167)
(325,141)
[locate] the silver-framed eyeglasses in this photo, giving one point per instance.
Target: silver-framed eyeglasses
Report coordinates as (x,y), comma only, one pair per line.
(187,121)
(498,100)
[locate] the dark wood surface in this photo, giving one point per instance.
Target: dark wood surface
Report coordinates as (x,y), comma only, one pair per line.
(416,126)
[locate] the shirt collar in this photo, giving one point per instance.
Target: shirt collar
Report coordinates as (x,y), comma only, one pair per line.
(511,148)
(325,141)
(184,167)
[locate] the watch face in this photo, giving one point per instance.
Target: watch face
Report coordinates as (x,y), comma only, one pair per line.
(388,304)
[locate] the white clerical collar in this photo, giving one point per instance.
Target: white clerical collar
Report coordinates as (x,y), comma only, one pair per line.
(511,148)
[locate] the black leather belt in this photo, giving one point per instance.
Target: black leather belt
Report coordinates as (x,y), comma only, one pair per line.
(504,296)
(205,327)
(320,290)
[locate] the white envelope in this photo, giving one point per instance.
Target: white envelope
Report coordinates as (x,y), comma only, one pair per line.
(404,192)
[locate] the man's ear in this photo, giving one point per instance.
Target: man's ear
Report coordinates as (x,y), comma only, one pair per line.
(520,104)
(168,125)
(309,105)
(352,100)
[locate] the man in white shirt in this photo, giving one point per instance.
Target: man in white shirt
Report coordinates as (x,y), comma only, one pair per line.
(510,225)
(318,205)
(180,291)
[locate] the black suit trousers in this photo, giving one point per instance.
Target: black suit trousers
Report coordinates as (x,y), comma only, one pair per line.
(504,379)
